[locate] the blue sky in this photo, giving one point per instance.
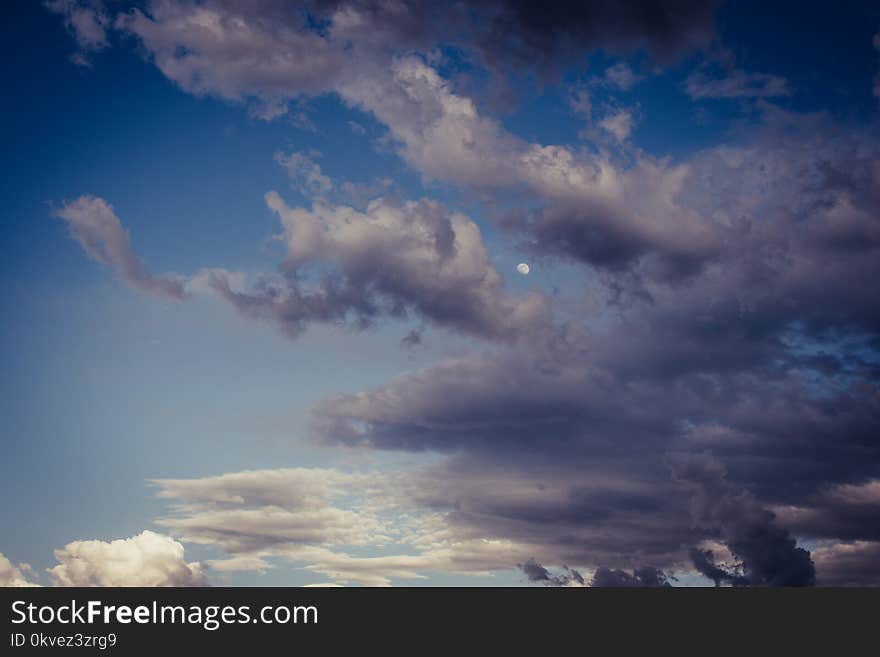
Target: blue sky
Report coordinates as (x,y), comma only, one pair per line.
(645,292)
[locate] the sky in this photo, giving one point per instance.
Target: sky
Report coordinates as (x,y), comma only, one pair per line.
(264,323)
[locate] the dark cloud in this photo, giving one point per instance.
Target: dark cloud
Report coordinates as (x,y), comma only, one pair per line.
(847,512)
(768,554)
(529,34)
(644,576)
(528,30)
(704,562)
(535,572)
(641,577)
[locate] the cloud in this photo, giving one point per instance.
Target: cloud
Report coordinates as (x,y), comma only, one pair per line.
(620,76)
(305,172)
(603,577)
(763,354)
(619,124)
(587,207)
(537,573)
(95,226)
(390,260)
(218,49)
(855,563)
(522,30)
(148,559)
(719,309)
(272,51)
(640,577)
(87,21)
(265,53)
(12,575)
(704,562)
(843,511)
(876,42)
(736,84)
(249,512)
(768,553)
(314,516)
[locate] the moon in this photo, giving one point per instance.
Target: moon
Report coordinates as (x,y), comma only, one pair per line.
(522,268)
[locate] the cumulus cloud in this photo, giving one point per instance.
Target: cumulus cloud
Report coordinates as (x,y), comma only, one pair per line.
(390,260)
(94,225)
(148,559)
(13,575)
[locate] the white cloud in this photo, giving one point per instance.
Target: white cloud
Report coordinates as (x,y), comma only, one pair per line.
(12,575)
(148,559)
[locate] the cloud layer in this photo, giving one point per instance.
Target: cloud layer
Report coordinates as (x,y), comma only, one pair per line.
(703,398)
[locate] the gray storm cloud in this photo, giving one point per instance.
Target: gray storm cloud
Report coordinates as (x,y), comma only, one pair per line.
(768,554)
